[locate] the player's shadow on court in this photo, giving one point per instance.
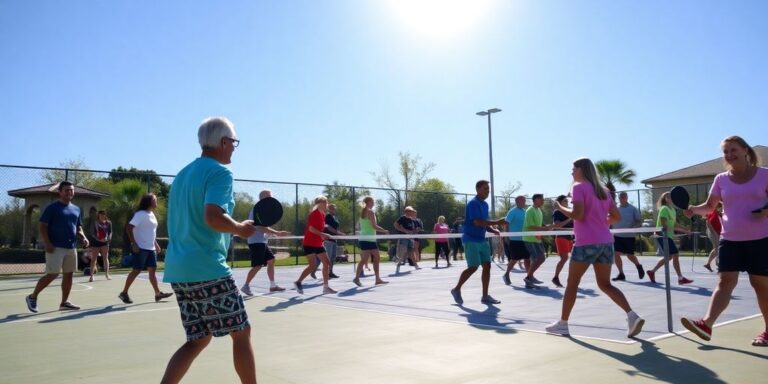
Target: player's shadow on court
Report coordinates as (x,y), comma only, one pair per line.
(487,319)
(701,291)
(709,347)
(541,291)
(655,365)
(283,305)
(355,290)
(89,312)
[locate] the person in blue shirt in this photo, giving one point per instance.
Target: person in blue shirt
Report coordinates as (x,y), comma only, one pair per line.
(200,222)
(60,227)
(477,251)
(515,248)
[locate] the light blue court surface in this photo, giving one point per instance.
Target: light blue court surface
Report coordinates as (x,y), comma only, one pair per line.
(408,331)
(425,293)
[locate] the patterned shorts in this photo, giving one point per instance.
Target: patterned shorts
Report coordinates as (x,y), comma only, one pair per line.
(212,307)
(593,253)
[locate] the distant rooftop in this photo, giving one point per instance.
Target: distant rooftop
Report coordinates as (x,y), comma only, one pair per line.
(47,189)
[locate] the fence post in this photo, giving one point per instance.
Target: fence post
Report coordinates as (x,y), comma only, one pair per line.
(296,218)
(668,289)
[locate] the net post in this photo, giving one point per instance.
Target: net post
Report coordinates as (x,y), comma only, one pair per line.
(667,279)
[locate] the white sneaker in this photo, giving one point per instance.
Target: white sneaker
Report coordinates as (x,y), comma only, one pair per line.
(634,324)
(558,328)
(246,290)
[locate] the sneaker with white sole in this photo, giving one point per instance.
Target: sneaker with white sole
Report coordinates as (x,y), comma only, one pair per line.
(299,288)
(246,290)
(634,324)
(31,303)
(487,299)
(67,306)
(328,291)
(558,328)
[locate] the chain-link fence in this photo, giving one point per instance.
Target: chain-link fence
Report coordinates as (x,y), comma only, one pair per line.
(28,190)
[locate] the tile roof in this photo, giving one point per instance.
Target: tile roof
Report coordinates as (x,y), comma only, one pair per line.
(707,168)
(54,189)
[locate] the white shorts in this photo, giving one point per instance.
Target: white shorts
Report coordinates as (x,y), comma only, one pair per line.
(62,259)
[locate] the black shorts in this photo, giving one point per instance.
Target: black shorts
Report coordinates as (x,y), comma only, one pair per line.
(624,245)
(260,254)
(748,256)
(99,244)
(515,250)
(313,250)
(368,245)
(663,241)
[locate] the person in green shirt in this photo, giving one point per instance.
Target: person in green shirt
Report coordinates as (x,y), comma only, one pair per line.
(667,219)
(534,221)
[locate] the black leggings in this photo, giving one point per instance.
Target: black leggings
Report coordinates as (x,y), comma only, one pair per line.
(442,248)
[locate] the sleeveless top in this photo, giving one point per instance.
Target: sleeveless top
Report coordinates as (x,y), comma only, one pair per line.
(366,229)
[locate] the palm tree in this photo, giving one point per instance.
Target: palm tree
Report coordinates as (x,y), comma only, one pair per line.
(615,171)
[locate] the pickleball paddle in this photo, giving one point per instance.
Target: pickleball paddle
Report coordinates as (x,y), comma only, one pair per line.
(267,212)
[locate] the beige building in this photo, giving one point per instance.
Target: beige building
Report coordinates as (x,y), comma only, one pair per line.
(696,178)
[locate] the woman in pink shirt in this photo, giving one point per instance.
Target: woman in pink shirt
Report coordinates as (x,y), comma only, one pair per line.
(592,212)
(441,243)
(743,191)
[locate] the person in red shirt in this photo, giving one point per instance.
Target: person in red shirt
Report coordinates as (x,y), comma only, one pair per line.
(713,232)
(313,245)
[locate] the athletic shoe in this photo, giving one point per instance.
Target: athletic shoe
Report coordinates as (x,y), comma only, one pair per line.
(125,298)
(640,271)
(162,295)
(246,290)
(558,328)
(67,306)
(536,281)
(684,281)
(298,287)
(556,281)
(276,288)
(698,327)
(620,277)
(457,296)
(708,267)
(397,269)
(506,279)
(487,299)
(31,303)
(634,324)
(651,276)
(333,276)
(313,275)
(357,282)
(328,291)
(529,284)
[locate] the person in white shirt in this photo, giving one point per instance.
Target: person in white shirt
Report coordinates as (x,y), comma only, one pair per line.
(142,233)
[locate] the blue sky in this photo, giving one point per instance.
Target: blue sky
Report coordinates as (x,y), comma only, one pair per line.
(330,90)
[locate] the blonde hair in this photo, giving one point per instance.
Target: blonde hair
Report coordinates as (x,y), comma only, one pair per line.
(752,157)
(319,199)
(363,205)
(590,173)
(441,218)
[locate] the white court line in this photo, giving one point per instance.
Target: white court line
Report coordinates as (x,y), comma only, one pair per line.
(21,292)
(684,331)
(34,318)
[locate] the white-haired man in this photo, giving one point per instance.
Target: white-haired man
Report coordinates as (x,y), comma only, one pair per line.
(200,206)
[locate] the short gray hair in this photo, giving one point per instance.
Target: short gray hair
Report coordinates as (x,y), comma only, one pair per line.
(212,130)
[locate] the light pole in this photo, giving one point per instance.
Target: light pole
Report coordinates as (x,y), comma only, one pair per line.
(490,155)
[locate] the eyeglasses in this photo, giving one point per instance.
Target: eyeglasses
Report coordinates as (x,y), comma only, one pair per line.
(235,142)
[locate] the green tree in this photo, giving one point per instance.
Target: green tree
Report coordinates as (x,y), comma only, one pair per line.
(412,171)
(506,198)
(123,202)
(613,172)
(150,178)
(74,171)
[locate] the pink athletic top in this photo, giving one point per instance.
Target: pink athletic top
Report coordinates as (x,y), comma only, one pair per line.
(593,228)
(739,200)
(441,228)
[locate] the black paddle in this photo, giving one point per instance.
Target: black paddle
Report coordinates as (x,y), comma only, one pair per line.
(680,197)
(267,212)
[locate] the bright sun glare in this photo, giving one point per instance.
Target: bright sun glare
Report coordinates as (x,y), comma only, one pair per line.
(439,18)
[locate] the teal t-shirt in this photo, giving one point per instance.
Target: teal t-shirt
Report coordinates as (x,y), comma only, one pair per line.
(671,216)
(197,252)
(534,217)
